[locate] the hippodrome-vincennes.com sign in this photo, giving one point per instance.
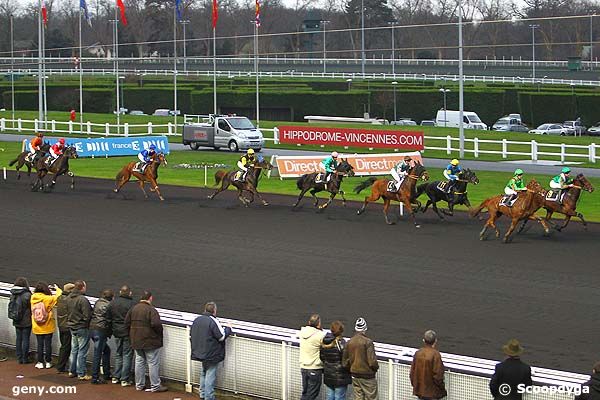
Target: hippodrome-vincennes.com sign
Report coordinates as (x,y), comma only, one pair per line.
(409,140)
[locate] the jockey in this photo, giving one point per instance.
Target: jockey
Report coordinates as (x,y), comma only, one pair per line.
(57,149)
(330,164)
(246,161)
(35,146)
(515,185)
(563,180)
(145,156)
(400,171)
(451,174)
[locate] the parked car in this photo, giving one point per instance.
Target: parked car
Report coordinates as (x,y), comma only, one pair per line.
(508,124)
(123,111)
(574,128)
(428,122)
(136,112)
(451,118)
(161,112)
(550,129)
(594,130)
(404,121)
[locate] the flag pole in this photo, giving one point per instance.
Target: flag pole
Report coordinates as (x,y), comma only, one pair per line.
(175,65)
(44,89)
(116,54)
(256,72)
(80,75)
(40,87)
(214,70)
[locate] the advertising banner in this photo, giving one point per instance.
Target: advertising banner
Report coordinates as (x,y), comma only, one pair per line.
(364,164)
(112,147)
(375,138)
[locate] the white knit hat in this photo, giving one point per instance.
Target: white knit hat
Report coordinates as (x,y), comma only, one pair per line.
(361,325)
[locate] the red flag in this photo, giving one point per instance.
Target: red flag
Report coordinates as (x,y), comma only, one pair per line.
(257,14)
(44,13)
(215,13)
(122,8)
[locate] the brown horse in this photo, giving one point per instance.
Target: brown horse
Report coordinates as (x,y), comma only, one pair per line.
(406,195)
(149,175)
(524,208)
(23,160)
(59,167)
(250,184)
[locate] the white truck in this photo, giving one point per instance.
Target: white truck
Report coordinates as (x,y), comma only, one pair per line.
(230,131)
(451,119)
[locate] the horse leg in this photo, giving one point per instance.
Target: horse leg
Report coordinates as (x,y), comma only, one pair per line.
(522,226)
(122,181)
(154,187)
(510,230)
(373,197)
(435,208)
(343,198)
(72,175)
(244,201)
(543,222)
(412,213)
(386,206)
(300,196)
(141,184)
(313,193)
(580,216)
(331,197)
(224,185)
(450,211)
(255,192)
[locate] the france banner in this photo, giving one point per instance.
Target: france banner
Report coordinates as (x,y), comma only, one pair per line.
(113,147)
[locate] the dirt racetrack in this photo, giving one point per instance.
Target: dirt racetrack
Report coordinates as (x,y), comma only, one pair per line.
(276,266)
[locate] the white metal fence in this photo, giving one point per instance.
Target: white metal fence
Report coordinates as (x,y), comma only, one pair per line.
(263,361)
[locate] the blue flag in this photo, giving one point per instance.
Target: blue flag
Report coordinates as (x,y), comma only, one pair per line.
(178,4)
(83,6)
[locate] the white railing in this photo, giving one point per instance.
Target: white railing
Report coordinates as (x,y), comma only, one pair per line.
(262,361)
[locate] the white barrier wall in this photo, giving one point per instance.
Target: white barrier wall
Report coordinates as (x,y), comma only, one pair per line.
(270,369)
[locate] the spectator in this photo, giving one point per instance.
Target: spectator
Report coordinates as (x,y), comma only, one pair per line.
(100,331)
(63,329)
(43,322)
(79,314)
(593,385)
(146,334)
(208,346)
(511,372)
(335,376)
(359,357)
(311,366)
(116,313)
(19,310)
(427,370)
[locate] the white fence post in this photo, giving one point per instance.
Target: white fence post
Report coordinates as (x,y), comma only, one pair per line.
(53,125)
(35,124)
(504,148)
(2,124)
(126,128)
(448,144)
(592,152)
(169,128)
(534,151)
(149,128)
(391,379)
(107,129)
(89,128)
(283,371)
(19,125)
(476,147)
(70,126)
(188,353)
(276,135)
(562,152)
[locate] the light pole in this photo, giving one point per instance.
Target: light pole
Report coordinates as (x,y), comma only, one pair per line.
(122,93)
(394,84)
(393,25)
(12,67)
(591,42)
(533,28)
(324,24)
(184,23)
(362,35)
(461,93)
(444,92)
(116,67)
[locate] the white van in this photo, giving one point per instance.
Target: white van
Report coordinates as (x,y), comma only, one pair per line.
(235,133)
(451,119)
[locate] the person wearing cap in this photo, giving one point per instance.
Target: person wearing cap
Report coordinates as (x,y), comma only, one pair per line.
(592,386)
(563,180)
(63,329)
(515,185)
(311,365)
(330,164)
(359,357)
(451,174)
(145,156)
(510,373)
(400,171)
(427,370)
(57,150)
(35,146)
(246,161)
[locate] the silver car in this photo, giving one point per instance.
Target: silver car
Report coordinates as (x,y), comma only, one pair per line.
(550,129)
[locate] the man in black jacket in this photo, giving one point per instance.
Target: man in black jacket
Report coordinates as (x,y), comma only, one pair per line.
(591,389)
(510,373)
(79,314)
(100,331)
(63,329)
(20,298)
(208,346)
(116,313)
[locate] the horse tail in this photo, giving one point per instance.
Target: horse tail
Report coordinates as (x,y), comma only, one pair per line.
(219,176)
(300,182)
(365,184)
(121,173)
(475,211)
(13,162)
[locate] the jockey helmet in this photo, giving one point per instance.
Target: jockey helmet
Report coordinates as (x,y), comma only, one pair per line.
(152,147)
(39,134)
(250,152)
(61,141)
(334,154)
(455,162)
(566,170)
(407,158)
(518,171)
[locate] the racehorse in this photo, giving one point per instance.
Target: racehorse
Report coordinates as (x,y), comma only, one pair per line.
(59,167)
(22,160)
(149,175)
(308,182)
(406,195)
(568,205)
(459,196)
(250,184)
(524,208)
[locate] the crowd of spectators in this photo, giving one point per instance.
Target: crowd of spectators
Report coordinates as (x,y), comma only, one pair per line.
(325,357)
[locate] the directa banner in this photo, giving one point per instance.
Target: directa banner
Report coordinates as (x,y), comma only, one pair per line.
(113,147)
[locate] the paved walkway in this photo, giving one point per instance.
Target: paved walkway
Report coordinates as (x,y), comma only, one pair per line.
(542,167)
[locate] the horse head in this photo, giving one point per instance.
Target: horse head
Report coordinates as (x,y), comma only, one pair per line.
(345,167)
(45,147)
(535,187)
(263,164)
(582,181)
(71,152)
(159,158)
(469,176)
(419,171)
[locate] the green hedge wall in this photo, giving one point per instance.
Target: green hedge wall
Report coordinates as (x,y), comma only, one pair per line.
(149,99)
